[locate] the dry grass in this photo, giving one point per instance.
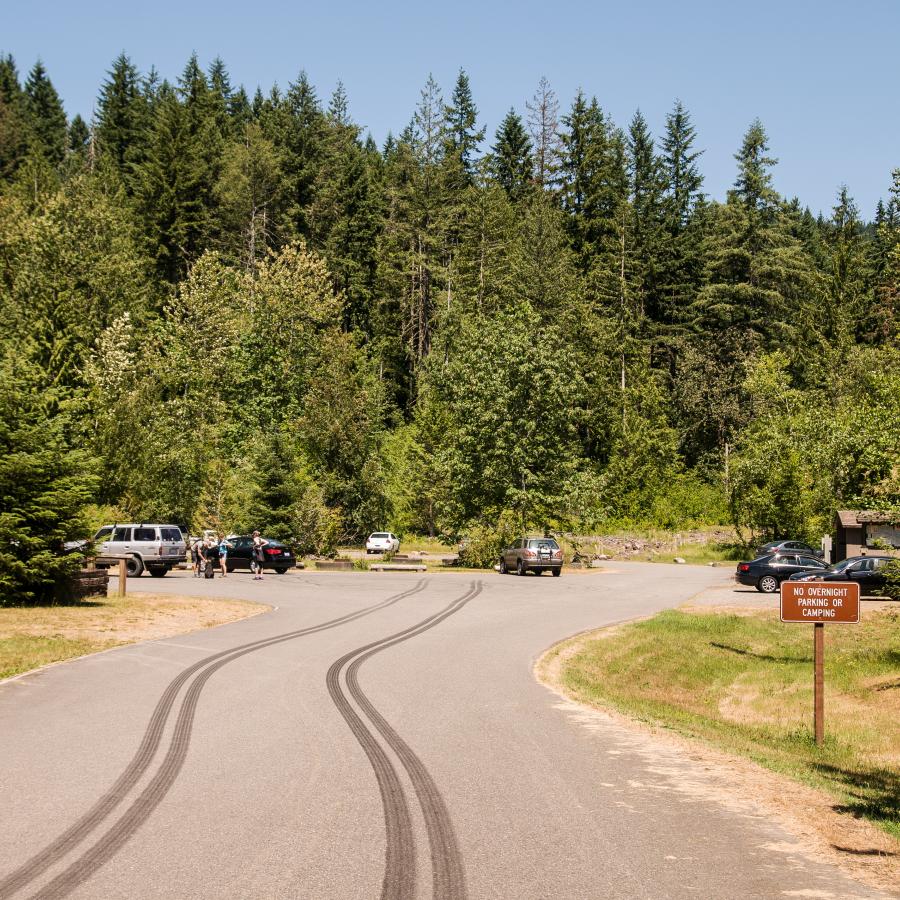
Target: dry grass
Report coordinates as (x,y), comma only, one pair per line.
(35,636)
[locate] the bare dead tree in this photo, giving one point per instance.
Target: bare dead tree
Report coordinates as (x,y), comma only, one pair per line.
(543,124)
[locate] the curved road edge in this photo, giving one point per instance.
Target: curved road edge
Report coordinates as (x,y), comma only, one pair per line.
(741,776)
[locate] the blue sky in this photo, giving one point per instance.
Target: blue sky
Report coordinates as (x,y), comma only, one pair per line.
(822,76)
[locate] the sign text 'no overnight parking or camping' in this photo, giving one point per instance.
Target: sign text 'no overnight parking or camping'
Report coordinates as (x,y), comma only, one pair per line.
(820,601)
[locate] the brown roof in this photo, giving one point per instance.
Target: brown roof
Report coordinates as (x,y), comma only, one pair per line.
(868,515)
(848,518)
(853,518)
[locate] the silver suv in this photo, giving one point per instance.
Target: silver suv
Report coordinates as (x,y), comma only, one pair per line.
(155,548)
(532,554)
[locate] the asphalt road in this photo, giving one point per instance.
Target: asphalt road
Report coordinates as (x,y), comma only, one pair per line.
(373,736)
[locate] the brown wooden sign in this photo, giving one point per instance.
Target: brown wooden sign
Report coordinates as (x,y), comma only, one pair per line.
(820,601)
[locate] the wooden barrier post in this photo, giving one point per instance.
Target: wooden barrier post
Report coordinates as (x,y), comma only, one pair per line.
(123,576)
(819,681)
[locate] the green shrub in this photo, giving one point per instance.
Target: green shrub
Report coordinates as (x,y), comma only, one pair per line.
(481,544)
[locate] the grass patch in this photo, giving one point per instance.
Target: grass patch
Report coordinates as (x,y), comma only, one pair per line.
(744,684)
(32,636)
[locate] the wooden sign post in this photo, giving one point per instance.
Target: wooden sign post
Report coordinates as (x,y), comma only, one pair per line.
(819,602)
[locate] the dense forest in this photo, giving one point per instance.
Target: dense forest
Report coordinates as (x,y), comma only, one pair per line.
(237,312)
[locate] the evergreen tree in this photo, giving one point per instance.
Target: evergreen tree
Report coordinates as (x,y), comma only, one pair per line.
(680,254)
(647,216)
(345,215)
(464,136)
(758,282)
(754,182)
(45,483)
(594,187)
(846,287)
(13,143)
(296,126)
(511,163)
(79,139)
(122,117)
(45,116)
(171,189)
(679,159)
(884,324)
(240,110)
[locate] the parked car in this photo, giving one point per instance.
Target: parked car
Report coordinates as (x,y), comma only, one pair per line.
(156,548)
(532,554)
(867,571)
(788,547)
(766,573)
(382,542)
(277,556)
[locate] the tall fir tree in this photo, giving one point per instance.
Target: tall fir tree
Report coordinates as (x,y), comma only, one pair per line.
(345,215)
(511,163)
(680,254)
(464,137)
(13,134)
(45,116)
(122,117)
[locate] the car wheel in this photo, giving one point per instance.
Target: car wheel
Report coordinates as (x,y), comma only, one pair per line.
(281,570)
(503,569)
(158,573)
(520,567)
(768,584)
(557,573)
(134,567)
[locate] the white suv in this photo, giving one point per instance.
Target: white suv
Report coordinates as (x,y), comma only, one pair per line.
(382,542)
(155,548)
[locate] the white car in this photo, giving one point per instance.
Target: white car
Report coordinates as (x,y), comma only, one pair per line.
(382,542)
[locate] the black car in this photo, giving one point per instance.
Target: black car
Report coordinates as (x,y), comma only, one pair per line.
(766,573)
(867,571)
(277,556)
(787,547)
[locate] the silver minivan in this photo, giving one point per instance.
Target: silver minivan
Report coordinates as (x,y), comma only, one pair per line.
(156,548)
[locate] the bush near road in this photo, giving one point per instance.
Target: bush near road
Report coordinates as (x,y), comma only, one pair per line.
(744,683)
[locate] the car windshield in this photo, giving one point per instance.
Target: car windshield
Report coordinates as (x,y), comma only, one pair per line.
(379,535)
(839,567)
(544,543)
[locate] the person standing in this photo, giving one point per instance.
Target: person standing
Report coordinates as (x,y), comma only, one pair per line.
(224,547)
(258,556)
(207,552)
(195,555)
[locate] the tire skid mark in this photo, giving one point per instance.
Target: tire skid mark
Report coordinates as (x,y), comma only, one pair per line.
(448,874)
(139,764)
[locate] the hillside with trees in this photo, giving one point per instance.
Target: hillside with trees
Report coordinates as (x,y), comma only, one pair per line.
(237,312)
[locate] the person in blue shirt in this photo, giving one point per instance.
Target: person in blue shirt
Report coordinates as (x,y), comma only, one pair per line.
(224,547)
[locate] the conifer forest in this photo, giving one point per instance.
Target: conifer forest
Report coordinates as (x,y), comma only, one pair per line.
(239,312)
